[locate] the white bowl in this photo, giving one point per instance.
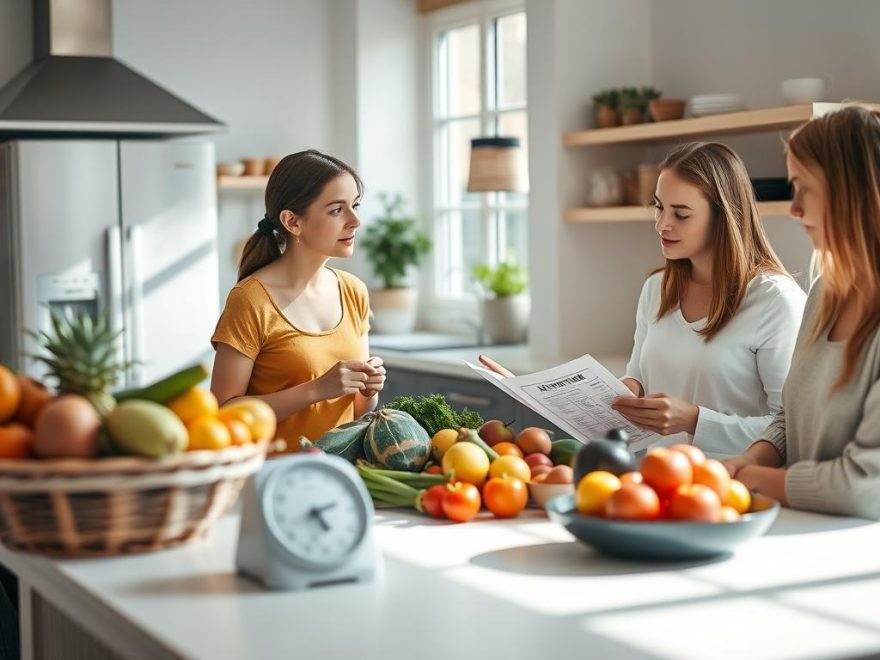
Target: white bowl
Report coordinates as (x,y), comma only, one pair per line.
(235,168)
(797,91)
(542,493)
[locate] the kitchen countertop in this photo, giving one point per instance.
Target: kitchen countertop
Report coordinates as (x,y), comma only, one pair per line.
(489,589)
(449,361)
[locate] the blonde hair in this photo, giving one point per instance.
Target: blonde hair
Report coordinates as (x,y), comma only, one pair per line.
(844,147)
(740,249)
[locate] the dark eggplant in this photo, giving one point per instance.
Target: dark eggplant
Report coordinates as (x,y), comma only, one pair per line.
(608,453)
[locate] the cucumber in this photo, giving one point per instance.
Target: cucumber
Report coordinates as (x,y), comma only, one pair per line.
(162,391)
(564,451)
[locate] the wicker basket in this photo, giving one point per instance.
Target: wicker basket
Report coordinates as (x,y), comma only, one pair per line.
(92,508)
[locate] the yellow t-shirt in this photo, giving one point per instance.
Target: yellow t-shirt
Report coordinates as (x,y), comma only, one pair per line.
(284,355)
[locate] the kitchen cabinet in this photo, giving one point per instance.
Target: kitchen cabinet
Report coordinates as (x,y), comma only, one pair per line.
(476,395)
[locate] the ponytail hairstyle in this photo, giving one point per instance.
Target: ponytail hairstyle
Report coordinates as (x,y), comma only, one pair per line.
(294,184)
(844,147)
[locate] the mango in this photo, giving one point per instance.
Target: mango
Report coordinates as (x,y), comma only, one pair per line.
(145,428)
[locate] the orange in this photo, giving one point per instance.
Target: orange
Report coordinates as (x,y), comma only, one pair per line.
(738,497)
(263,425)
(594,490)
(33,397)
(713,474)
(208,433)
(238,431)
(511,466)
(508,449)
(443,440)
(10,394)
(192,404)
(16,441)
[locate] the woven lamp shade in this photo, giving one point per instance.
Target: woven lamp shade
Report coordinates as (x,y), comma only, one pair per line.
(496,165)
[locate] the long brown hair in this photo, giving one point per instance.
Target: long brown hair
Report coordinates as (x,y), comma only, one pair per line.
(740,247)
(294,184)
(844,146)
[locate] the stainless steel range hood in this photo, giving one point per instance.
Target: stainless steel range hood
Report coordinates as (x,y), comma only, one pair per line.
(74,86)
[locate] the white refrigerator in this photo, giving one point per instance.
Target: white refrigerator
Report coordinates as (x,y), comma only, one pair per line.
(126,226)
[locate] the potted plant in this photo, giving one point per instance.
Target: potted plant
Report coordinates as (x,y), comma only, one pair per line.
(394,245)
(634,103)
(505,301)
(606,103)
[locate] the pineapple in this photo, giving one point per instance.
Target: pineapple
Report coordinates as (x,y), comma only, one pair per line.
(82,357)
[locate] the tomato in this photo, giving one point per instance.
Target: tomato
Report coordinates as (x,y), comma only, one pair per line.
(466,462)
(505,497)
(695,454)
(432,501)
(534,460)
(665,470)
(461,501)
(507,449)
(738,497)
(631,478)
(433,469)
(593,492)
(713,474)
(533,440)
(633,502)
(512,466)
(694,502)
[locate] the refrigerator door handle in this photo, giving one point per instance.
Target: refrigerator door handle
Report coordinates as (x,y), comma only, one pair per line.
(137,297)
(114,289)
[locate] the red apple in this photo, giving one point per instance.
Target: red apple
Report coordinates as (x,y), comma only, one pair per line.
(495,431)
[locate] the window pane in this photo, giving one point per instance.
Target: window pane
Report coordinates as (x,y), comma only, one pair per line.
(455,160)
(510,37)
(515,124)
(460,71)
(513,236)
(461,235)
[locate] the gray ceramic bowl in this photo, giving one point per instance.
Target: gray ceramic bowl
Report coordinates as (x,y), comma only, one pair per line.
(663,539)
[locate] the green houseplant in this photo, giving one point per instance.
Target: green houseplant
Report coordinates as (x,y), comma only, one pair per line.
(506,303)
(606,103)
(394,245)
(634,103)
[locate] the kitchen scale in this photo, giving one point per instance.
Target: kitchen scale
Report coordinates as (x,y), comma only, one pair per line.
(306,521)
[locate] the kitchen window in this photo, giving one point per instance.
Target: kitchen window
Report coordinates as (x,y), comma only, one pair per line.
(479,90)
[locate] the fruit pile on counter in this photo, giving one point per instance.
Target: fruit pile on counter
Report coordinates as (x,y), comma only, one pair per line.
(84,419)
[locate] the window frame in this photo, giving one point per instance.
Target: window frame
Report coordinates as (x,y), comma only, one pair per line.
(445,308)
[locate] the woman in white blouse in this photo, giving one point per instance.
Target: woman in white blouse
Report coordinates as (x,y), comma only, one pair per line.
(715,327)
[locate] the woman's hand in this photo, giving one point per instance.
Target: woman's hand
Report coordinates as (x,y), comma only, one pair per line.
(344,377)
(660,413)
(376,379)
(737,463)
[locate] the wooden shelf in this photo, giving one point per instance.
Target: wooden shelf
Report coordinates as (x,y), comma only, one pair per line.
(750,121)
(643,213)
(242,182)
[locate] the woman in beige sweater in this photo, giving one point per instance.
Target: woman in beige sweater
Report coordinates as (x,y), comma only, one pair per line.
(822,452)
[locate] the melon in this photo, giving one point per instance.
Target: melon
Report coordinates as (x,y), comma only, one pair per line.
(346,440)
(395,440)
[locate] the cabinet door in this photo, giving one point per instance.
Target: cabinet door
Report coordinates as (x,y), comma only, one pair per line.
(398,382)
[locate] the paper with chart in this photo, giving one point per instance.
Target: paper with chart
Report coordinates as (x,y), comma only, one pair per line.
(576,396)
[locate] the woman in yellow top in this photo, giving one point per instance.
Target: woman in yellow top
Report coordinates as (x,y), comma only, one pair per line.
(294,331)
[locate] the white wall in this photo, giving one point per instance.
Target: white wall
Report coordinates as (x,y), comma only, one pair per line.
(586,278)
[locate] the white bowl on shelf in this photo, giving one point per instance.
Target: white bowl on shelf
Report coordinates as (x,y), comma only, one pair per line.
(798,91)
(234,168)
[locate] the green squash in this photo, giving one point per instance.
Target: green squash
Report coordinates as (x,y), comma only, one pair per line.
(346,440)
(396,441)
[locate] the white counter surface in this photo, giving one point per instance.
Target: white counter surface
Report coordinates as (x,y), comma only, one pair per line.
(489,589)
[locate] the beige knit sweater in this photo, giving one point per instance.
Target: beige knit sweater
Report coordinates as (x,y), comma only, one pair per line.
(830,440)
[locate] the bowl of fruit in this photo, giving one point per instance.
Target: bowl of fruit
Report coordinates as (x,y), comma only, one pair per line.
(675,504)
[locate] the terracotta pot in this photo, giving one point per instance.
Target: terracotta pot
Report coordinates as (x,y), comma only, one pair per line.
(270,165)
(667,109)
(648,175)
(394,310)
(607,117)
(632,116)
(506,319)
(254,166)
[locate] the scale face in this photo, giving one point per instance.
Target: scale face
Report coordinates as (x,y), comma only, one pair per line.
(306,521)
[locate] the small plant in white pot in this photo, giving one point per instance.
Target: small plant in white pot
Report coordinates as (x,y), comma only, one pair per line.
(506,303)
(394,245)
